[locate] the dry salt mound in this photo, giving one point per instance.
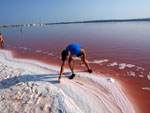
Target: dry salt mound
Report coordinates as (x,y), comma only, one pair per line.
(30,86)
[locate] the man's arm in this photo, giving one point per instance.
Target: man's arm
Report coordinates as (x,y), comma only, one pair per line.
(61,70)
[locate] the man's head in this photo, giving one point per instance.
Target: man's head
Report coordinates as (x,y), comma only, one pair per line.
(0,33)
(64,55)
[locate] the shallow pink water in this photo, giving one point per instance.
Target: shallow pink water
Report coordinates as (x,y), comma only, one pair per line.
(119,50)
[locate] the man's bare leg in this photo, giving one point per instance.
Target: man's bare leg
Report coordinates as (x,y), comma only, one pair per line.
(86,63)
(71,64)
(71,67)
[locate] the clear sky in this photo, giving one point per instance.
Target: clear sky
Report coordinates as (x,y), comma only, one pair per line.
(36,11)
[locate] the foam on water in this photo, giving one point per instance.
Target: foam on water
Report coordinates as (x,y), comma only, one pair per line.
(87,93)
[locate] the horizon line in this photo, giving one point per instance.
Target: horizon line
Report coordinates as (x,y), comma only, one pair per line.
(75,22)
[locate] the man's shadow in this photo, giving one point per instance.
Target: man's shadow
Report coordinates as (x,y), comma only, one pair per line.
(51,78)
(9,82)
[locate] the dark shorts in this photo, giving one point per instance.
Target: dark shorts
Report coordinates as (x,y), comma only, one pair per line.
(79,54)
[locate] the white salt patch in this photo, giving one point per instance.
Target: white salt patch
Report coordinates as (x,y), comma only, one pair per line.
(21,47)
(38,51)
(130,65)
(146,88)
(130,73)
(140,68)
(46,52)
(141,76)
(82,65)
(25,48)
(99,61)
(113,64)
(148,76)
(77,58)
(117,74)
(123,66)
(50,54)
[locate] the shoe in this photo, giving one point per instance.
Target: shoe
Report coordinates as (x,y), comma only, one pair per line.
(90,70)
(72,76)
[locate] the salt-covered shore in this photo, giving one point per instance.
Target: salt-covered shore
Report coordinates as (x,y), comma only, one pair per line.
(28,86)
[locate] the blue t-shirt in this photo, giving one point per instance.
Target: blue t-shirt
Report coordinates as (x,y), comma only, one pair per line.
(74,49)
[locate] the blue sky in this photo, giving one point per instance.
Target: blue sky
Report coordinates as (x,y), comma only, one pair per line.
(36,11)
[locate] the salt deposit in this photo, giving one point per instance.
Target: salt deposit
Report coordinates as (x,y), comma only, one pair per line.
(148,76)
(38,51)
(31,86)
(146,88)
(113,64)
(123,66)
(99,61)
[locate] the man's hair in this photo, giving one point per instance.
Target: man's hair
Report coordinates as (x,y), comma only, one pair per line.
(64,55)
(0,33)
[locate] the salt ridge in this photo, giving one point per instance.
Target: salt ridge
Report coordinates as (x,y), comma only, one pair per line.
(81,92)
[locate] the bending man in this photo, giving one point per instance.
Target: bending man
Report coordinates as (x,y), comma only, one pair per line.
(72,51)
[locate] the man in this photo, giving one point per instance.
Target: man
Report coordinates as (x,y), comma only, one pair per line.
(72,51)
(1,41)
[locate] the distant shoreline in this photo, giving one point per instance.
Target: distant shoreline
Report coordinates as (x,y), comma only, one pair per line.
(76,22)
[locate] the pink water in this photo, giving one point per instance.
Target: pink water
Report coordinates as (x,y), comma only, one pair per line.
(119,50)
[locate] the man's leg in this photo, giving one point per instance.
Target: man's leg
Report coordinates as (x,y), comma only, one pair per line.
(71,67)
(71,64)
(85,62)
(83,58)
